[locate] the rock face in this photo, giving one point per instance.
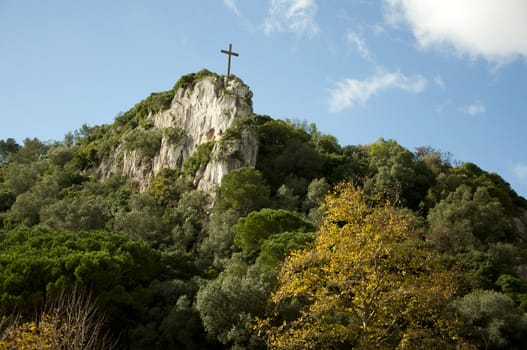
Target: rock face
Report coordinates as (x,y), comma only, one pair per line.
(203,114)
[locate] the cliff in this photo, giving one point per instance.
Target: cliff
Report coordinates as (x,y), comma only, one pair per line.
(200,130)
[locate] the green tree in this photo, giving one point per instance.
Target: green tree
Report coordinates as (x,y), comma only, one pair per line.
(121,273)
(27,206)
(167,318)
(394,170)
(7,147)
(316,192)
(286,199)
(492,319)
(144,220)
(471,175)
(277,247)
(74,214)
(466,220)
(284,150)
(32,151)
(229,303)
(19,178)
(250,232)
(353,164)
(6,200)
(244,190)
(190,219)
(218,246)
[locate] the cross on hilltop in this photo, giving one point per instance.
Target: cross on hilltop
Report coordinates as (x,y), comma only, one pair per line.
(230,53)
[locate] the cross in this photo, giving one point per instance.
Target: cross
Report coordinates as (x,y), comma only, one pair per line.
(230,53)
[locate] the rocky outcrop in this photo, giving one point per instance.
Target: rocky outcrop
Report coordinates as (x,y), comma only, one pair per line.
(203,113)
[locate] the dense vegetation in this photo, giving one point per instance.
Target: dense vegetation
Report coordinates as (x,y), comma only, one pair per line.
(319,246)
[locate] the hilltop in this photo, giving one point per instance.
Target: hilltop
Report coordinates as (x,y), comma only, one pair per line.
(188,128)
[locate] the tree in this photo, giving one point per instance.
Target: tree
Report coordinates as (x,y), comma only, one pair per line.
(229,303)
(396,169)
(369,281)
(190,216)
(471,175)
(168,319)
(353,164)
(466,220)
(392,166)
(493,321)
(218,246)
(6,200)
(71,320)
(74,214)
(316,192)
(284,150)
(243,189)
(126,277)
(286,199)
(144,220)
(19,178)
(277,247)
(34,261)
(32,150)
(250,232)
(7,147)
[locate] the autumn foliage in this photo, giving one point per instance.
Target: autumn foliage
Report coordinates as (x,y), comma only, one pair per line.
(369,282)
(70,321)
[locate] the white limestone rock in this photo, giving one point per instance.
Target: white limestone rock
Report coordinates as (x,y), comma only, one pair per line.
(197,115)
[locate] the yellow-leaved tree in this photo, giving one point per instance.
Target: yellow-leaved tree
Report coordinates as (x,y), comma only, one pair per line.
(370,281)
(71,321)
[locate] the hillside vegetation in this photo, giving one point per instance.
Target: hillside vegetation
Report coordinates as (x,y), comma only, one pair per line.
(319,246)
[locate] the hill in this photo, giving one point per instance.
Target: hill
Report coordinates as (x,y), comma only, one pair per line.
(179,220)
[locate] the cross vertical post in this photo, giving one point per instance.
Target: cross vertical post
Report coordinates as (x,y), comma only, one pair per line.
(230,53)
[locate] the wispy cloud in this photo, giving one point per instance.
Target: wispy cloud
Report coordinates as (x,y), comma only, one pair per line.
(494,30)
(297,16)
(438,80)
(443,106)
(350,91)
(359,43)
(520,170)
(231,4)
(377,29)
(475,108)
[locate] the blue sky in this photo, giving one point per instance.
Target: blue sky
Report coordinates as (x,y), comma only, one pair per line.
(451,74)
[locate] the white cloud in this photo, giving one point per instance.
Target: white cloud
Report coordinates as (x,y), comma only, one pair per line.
(439,81)
(231,4)
(297,16)
(474,108)
(492,29)
(520,170)
(349,91)
(358,41)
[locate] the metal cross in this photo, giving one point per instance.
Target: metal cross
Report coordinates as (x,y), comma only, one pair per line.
(230,53)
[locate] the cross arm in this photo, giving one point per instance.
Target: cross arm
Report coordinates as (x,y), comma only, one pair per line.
(230,53)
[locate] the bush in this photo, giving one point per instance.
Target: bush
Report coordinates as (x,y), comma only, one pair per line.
(199,158)
(189,80)
(145,142)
